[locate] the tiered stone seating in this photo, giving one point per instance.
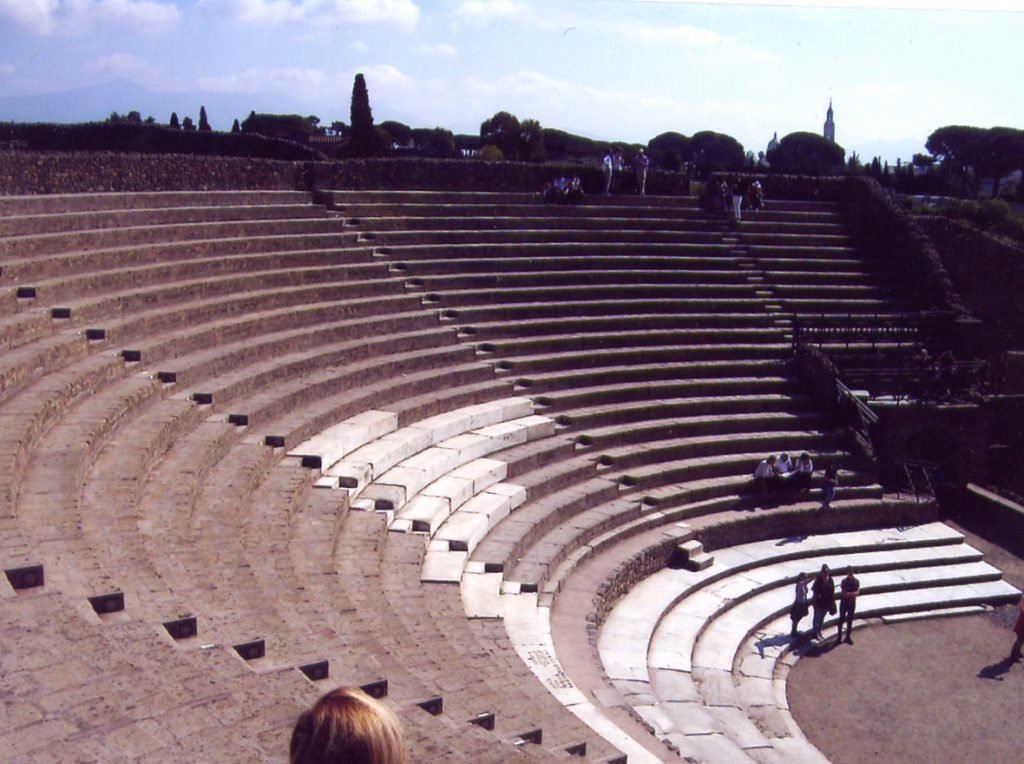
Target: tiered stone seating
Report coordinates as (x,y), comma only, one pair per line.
(280,442)
(166,519)
(678,304)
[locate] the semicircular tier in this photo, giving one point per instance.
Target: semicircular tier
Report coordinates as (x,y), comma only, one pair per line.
(253,448)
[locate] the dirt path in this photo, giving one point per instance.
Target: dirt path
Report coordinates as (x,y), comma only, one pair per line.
(919,692)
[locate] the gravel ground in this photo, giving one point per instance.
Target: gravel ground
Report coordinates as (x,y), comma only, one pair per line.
(918,692)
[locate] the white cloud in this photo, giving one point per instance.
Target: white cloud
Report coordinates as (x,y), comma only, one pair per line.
(401,13)
(440,50)
(383,75)
(34,15)
(120,66)
(315,89)
(486,9)
(886,5)
(69,17)
(690,37)
(307,84)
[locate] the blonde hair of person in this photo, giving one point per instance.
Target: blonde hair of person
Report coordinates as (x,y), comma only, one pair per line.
(347,726)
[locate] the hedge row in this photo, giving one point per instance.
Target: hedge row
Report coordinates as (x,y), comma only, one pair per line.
(150,139)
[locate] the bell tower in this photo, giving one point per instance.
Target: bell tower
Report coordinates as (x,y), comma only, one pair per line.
(830,125)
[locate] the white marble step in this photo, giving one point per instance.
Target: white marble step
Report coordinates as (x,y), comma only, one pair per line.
(728,627)
(691,653)
(339,440)
(627,631)
(369,462)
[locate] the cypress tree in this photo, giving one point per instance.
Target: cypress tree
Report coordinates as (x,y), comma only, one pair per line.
(174,121)
(361,119)
(235,127)
(204,123)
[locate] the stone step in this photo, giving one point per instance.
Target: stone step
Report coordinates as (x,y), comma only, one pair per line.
(92,295)
(598,234)
(527,217)
(641,373)
(710,252)
(749,312)
(600,360)
(130,257)
(653,390)
(32,245)
(626,434)
(630,269)
(538,327)
(685,415)
(509,282)
(474,198)
(59,204)
(579,341)
(35,224)
(629,460)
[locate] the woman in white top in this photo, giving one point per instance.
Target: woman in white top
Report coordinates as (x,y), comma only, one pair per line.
(783,466)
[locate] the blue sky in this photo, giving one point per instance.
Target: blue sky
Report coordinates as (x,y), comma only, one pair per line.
(609,69)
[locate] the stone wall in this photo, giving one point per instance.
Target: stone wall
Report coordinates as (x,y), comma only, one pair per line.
(889,233)
(987,272)
(89,172)
(411,174)
(626,575)
(25,172)
(1004,519)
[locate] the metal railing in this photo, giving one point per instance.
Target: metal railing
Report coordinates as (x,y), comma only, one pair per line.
(900,329)
(857,417)
(919,479)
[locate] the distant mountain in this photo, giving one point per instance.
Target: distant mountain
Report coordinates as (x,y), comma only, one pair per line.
(94,104)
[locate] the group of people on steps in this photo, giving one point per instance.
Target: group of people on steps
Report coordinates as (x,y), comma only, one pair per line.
(820,596)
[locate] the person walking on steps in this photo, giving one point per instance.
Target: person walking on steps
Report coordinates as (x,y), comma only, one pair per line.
(640,164)
(606,169)
(739,190)
(831,482)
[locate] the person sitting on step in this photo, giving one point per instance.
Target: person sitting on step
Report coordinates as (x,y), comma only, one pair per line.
(755,196)
(766,479)
(803,469)
(575,193)
(783,465)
